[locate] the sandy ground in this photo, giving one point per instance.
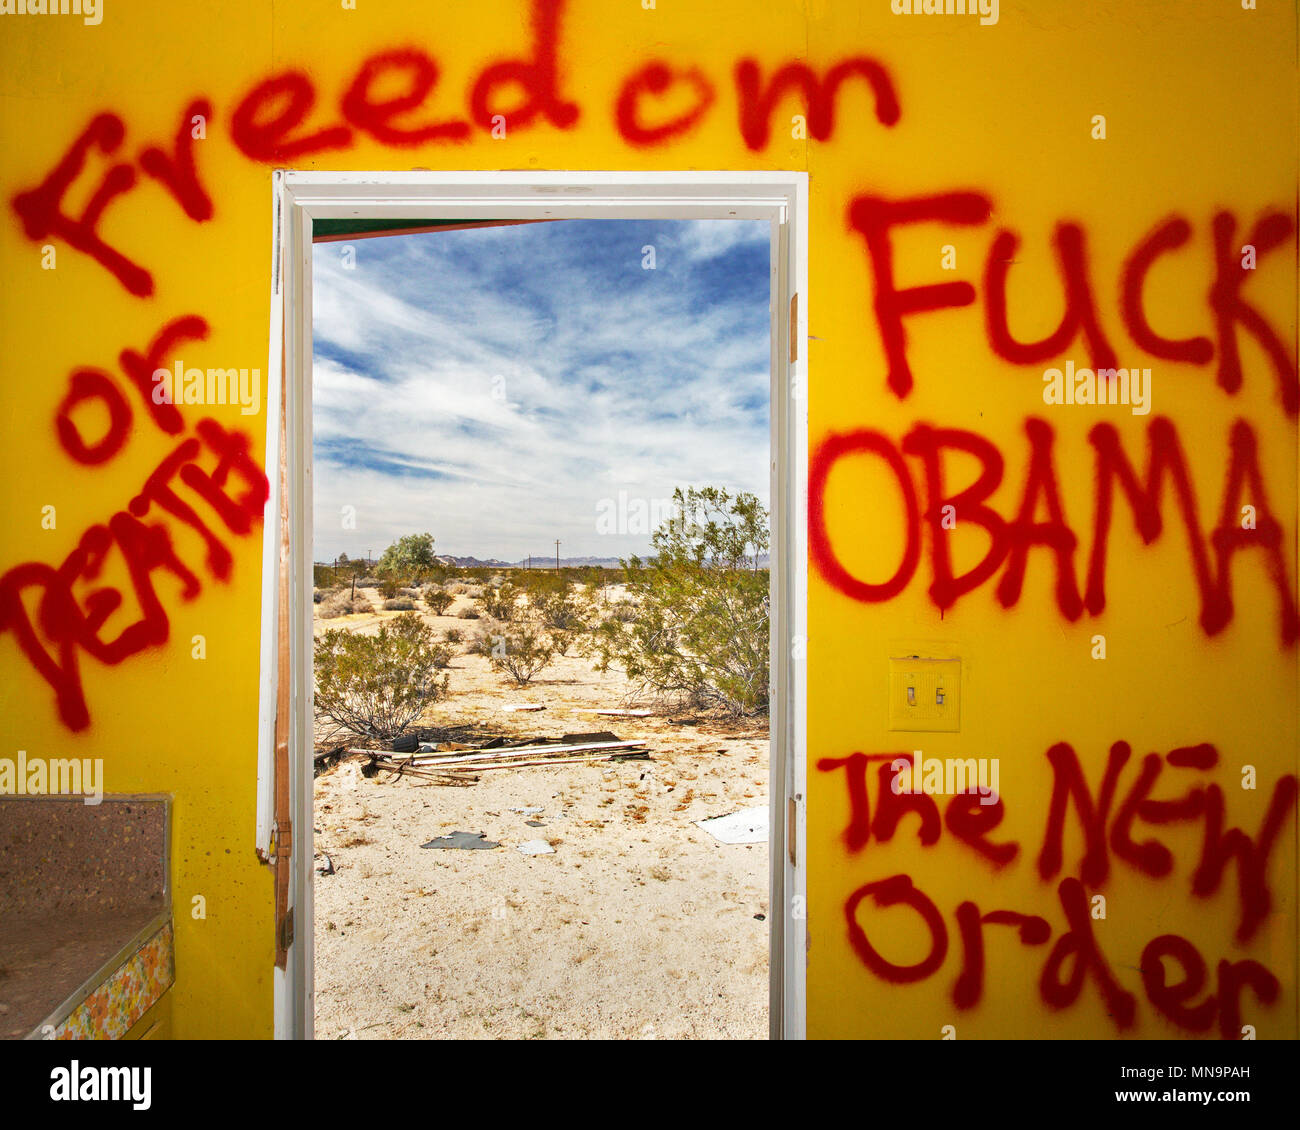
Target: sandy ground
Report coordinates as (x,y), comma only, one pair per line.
(640,925)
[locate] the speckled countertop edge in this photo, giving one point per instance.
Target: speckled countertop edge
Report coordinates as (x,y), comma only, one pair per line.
(72,1002)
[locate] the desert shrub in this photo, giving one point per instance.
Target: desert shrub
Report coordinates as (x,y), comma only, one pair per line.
(438,600)
(324,576)
(388,589)
(700,627)
(622,611)
(453,635)
(407,554)
(341,605)
(317,595)
(399,604)
(498,603)
(519,650)
(378,685)
(566,614)
(542,582)
(469,612)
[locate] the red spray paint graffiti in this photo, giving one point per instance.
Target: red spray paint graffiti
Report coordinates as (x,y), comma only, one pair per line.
(874,219)
(1010,541)
(209,484)
(1107,824)
(64,623)
(277,121)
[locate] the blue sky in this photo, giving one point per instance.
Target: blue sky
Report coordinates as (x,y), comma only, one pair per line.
(504,387)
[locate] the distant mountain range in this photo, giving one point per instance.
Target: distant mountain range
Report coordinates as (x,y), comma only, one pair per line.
(539,562)
(549,562)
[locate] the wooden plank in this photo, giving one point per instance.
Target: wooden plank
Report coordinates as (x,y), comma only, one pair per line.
(544,761)
(511,750)
(429,759)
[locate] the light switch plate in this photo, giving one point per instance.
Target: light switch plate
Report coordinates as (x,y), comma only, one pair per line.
(925,694)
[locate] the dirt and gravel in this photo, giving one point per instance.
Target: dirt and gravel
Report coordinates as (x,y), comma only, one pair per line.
(637,925)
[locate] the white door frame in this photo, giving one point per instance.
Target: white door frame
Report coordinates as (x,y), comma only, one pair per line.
(299,198)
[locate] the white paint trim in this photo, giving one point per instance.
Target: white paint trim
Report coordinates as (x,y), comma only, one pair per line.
(270,547)
(268,662)
(779,197)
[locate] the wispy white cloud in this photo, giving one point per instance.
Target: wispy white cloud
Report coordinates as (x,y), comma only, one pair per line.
(708,239)
(495,386)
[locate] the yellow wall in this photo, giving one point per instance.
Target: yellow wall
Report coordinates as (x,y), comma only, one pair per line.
(1199,101)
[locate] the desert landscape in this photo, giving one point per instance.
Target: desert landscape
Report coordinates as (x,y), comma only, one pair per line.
(632,922)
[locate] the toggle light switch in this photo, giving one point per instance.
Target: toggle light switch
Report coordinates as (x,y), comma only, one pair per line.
(925,694)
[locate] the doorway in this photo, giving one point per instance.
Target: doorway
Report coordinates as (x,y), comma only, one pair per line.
(285,766)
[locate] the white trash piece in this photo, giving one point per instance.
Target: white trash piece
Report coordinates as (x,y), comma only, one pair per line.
(535,847)
(748,826)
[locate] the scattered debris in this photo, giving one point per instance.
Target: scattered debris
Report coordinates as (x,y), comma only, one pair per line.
(517,751)
(408,767)
(447,763)
(748,826)
(529,810)
(620,713)
(516,763)
(328,868)
(328,757)
(535,847)
(513,706)
(465,840)
(405,743)
(534,824)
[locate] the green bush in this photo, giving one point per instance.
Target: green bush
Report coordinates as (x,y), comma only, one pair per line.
(567,615)
(406,554)
(438,600)
(697,623)
(399,604)
(498,603)
(378,685)
(519,650)
(541,582)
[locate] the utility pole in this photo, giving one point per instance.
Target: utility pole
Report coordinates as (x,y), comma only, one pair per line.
(557,555)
